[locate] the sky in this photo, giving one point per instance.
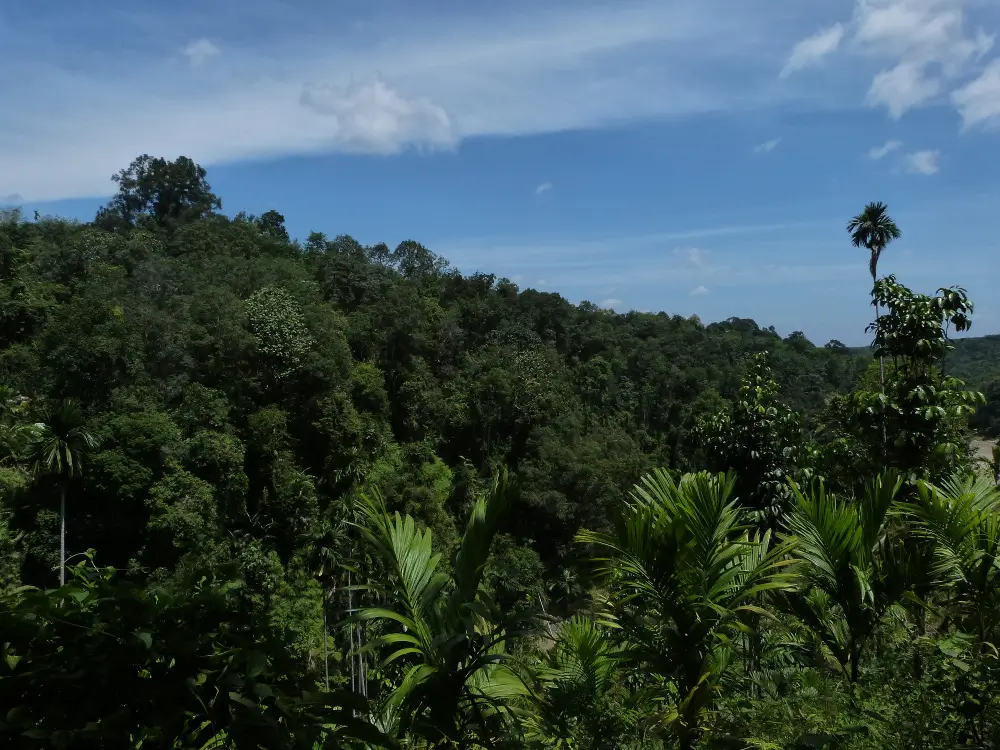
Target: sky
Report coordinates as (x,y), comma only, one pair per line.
(700,157)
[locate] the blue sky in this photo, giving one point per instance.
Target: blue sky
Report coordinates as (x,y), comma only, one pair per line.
(699,157)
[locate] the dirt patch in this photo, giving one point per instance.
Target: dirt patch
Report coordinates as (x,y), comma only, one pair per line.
(983,447)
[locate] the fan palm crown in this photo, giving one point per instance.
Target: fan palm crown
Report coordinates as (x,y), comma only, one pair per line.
(873,229)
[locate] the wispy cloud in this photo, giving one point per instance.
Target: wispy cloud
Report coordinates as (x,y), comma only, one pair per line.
(315,83)
(200,50)
(979,102)
(699,291)
(922,50)
(880,152)
(767,146)
(813,49)
(543,188)
(611,303)
(752,257)
(923,162)
(694,255)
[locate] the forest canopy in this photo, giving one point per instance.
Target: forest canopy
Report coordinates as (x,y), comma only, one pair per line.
(369,500)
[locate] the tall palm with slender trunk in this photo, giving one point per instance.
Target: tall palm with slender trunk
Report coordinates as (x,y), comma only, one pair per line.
(57,450)
(873,229)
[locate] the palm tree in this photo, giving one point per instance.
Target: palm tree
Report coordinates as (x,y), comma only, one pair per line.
(873,229)
(443,626)
(853,571)
(961,518)
(57,449)
(684,576)
(579,681)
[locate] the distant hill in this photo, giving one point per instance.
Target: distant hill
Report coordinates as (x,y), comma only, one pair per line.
(977,362)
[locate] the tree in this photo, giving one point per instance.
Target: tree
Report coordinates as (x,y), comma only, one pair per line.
(961,518)
(684,575)
(443,626)
(853,569)
(580,701)
(873,229)
(760,439)
(161,191)
(58,450)
(190,668)
(917,421)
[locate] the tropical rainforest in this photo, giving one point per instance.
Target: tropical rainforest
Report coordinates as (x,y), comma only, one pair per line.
(264,493)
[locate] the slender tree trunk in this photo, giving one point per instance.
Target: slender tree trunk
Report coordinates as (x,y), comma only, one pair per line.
(855,661)
(62,535)
(881,378)
(326,652)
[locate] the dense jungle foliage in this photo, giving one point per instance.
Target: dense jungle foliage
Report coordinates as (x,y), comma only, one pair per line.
(256,493)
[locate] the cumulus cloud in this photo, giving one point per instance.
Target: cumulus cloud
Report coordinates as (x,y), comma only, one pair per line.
(611,303)
(200,50)
(813,49)
(880,152)
(767,146)
(699,291)
(923,162)
(543,188)
(374,118)
(979,102)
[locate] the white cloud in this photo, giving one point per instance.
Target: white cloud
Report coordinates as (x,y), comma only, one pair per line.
(813,49)
(767,146)
(903,87)
(693,255)
(880,152)
(923,162)
(439,79)
(928,44)
(611,303)
(200,50)
(543,188)
(979,102)
(916,51)
(699,291)
(374,118)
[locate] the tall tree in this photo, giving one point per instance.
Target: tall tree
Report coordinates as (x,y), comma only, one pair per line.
(159,190)
(58,450)
(873,229)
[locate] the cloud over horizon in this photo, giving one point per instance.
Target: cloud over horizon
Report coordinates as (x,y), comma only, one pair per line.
(357,81)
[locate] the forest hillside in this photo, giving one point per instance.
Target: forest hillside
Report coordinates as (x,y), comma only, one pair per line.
(348,491)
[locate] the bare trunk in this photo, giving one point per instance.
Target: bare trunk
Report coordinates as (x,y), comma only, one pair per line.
(62,535)
(326,651)
(881,381)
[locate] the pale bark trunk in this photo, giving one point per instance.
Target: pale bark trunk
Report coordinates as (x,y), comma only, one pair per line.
(62,535)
